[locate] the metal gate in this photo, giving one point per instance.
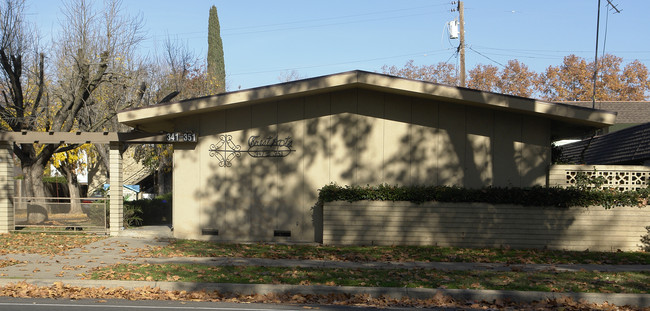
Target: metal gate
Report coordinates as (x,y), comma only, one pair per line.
(54,214)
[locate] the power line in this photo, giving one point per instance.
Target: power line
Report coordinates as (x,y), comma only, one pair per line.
(452,55)
(264,28)
(609,3)
(479,53)
(324,25)
(342,63)
(537,50)
(527,56)
(595,77)
(330,18)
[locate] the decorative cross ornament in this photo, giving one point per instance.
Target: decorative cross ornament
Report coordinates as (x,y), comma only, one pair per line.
(225,150)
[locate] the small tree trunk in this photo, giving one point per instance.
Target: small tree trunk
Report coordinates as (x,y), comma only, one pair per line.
(34,180)
(73,188)
(38,210)
(160,177)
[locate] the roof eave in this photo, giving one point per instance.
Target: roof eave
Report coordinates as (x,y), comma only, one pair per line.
(144,118)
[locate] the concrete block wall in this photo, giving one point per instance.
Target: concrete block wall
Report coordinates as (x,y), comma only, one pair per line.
(620,177)
(479,225)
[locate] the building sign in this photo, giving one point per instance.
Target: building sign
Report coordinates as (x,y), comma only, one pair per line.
(258,147)
(269,147)
(181,137)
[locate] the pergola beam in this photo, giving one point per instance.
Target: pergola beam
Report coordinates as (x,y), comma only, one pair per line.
(28,137)
(115,141)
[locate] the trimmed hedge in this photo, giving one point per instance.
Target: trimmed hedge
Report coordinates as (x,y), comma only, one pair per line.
(535,196)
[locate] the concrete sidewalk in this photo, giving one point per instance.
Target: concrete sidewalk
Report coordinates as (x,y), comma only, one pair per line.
(72,268)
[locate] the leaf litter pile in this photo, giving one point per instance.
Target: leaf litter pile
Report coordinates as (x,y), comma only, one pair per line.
(42,243)
(9,262)
(59,290)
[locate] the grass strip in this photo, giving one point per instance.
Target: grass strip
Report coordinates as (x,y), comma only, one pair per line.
(191,248)
(547,281)
(43,243)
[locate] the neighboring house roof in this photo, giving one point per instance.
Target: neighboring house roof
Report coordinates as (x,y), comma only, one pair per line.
(627,146)
(568,120)
(629,112)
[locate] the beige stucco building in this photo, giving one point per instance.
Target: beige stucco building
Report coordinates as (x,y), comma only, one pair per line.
(261,154)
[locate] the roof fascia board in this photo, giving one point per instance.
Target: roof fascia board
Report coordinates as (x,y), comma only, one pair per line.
(566,113)
(480,98)
(244,97)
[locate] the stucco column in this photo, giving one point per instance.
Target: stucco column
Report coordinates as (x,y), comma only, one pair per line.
(6,189)
(117,201)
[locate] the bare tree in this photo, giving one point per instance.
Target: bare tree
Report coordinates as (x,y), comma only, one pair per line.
(91,57)
(22,105)
(443,73)
(290,75)
(176,74)
(96,72)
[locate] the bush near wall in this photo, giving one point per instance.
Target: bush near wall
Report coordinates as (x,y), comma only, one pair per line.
(534,196)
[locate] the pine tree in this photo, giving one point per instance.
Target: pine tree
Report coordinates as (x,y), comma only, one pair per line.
(216,64)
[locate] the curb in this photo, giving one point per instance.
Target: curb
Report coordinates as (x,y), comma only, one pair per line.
(638,300)
(445,266)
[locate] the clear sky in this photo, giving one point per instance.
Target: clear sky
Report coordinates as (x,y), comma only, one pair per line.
(264,39)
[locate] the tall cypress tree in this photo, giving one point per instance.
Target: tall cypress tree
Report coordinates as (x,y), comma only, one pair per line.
(216,64)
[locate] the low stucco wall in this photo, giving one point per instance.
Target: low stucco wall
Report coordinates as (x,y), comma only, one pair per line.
(484,225)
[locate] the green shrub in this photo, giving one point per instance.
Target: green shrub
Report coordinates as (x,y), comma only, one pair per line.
(645,240)
(156,211)
(132,215)
(534,196)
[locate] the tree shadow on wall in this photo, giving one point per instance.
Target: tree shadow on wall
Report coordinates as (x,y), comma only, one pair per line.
(333,142)
(254,198)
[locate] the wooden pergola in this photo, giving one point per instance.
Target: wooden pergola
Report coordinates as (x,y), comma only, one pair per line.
(116,142)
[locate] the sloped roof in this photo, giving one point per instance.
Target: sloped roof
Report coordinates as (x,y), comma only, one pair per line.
(629,112)
(627,146)
(568,119)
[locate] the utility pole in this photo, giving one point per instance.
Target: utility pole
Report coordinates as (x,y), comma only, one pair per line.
(461,46)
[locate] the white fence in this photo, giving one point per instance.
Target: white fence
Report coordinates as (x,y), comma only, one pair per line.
(621,177)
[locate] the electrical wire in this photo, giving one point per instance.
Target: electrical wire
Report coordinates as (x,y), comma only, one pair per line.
(273,27)
(492,60)
(266,28)
(531,54)
(342,63)
(452,55)
(502,65)
(225,34)
(331,18)
(606,28)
